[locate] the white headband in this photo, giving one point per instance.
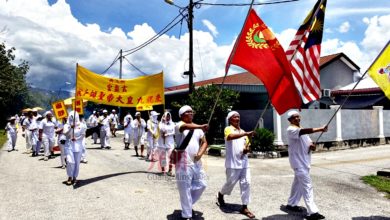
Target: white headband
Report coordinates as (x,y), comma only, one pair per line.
(184,109)
(291,113)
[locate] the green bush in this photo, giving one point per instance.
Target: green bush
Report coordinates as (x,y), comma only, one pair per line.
(263,140)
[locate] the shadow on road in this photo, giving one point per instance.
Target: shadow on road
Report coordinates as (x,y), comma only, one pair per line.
(282,217)
(290,214)
(371,218)
(176,215)
(230,208)
(84,182)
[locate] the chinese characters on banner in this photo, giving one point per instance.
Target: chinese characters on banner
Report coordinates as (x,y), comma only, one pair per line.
(144,107)
(77,104)
(137,92)
(59,109)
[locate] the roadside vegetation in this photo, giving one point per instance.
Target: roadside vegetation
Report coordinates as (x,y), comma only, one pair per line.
(379,182)
(3,138)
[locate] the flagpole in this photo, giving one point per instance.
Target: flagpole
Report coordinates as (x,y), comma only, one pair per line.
(229,63)
(350,92)
(75,95)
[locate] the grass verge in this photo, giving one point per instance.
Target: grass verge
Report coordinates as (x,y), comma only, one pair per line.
(3,138)
(379,182)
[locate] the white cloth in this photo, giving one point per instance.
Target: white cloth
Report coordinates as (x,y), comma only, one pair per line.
(73,163)
(11,135)
(128,128)
(244,178)
(191,183)
(164,156)
(298,147)
(104,131)
(192,147)
(138,131)
(114,119)
(234,149)
(48,132)
(302,187)
(167,132)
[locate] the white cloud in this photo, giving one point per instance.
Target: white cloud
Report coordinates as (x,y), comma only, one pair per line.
(344,27)
(210,26)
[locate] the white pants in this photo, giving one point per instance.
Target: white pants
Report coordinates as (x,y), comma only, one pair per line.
(302,187)
(232,177)
(29,143)
(128,135)
(152,146)
(191,182)
(48,144)
(105,138)
(164,156)
(95,137)
(11,140)
(72,163)
(63,156)
(138,140)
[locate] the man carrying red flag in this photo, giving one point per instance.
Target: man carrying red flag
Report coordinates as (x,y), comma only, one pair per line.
(258,51)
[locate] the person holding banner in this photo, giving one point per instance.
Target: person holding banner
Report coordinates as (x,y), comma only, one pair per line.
(236,162)
(166,142)
(139,126)
(152,135)
(75,133)
(299,147)
(128,129)
(46,134)
(104,121)
(192,144)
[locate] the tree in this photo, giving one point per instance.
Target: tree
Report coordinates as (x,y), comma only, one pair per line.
(13,86)
(202,101)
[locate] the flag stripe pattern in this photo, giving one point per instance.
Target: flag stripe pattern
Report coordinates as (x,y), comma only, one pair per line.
(304,54)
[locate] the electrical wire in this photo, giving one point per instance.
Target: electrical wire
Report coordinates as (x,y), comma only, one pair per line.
(142,72)
(246,4)
(159,34)
(113,62)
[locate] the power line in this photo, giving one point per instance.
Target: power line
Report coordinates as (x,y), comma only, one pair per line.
(246,4)
(113,62)
(135,67)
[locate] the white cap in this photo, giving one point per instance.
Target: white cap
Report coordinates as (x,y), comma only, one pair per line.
(231,114)
(12,118)
(113,110)
(93,112)
(105,111)
(184,109)
(290,113)
(137,113)
(47,112)
(154,113)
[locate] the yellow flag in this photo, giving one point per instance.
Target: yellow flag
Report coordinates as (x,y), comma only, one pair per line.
(59,109)
(380,70)
(77,104)
(141,91)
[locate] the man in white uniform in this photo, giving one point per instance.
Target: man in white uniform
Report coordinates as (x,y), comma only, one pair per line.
(152,136)
(114,122)
(46,134)
(190,176)
(128,129)
(104,121)
(93,122)
(12,131)
(236,162)
(299,147)
(139,126)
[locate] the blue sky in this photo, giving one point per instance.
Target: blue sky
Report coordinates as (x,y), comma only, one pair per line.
(58,33)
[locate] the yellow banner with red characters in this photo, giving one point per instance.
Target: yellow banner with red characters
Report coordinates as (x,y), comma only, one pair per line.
(59,109)
(77,104)
(141,91)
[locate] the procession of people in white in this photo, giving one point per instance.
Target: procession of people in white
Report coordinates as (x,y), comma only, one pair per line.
(180,145)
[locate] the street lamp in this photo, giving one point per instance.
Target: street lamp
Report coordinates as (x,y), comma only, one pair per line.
(190,18)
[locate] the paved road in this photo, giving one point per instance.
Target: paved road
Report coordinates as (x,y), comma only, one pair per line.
(117,185)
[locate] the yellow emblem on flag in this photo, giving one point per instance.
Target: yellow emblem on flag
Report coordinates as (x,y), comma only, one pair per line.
(59,109)
(77,104)
(144,90)
(380,71)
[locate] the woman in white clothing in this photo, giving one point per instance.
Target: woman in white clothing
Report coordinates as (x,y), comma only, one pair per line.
(139,126)
(61,141)
(12,132)
(152,135)
(166,142)
(46,134)
(75,134)
(128,131)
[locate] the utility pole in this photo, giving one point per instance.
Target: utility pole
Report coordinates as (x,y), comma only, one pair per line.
(191,62)
(120,77)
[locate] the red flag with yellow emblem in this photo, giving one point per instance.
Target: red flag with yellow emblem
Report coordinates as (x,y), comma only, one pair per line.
(259,52)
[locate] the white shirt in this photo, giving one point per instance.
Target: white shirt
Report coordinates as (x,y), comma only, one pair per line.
(194,144)
(105,121)
(114,118)
(235,158)
(127,123)
(298,148)
(139,128)
(152,128)
(47,128)
(167,132)
(79,134)
(93,121)
(11,128)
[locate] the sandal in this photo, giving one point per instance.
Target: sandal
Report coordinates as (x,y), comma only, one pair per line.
(247,213)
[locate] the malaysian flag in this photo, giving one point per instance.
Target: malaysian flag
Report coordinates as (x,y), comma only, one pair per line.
(304,54)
